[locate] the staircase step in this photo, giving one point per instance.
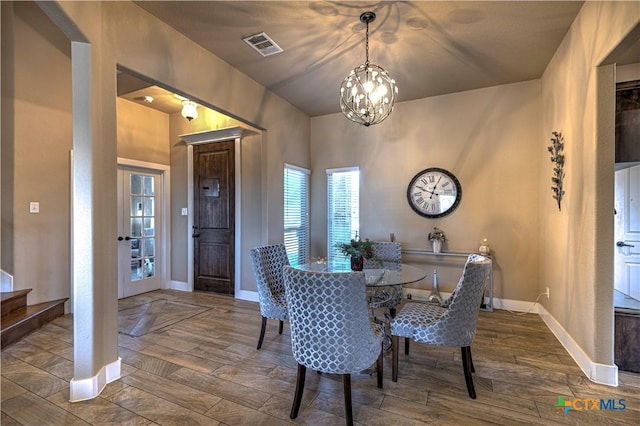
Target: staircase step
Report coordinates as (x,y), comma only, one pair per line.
(13,300)
(24,320)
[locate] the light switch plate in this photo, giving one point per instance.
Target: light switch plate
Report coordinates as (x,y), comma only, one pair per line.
(34,207)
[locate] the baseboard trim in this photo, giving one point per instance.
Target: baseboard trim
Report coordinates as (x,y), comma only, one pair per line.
(179,285)
(516,305)
(598,373)
(251,296)
(81,390)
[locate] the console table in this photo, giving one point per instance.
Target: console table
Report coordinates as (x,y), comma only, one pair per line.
(486,305)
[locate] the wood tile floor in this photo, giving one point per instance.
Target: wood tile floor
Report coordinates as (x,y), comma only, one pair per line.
(191,359)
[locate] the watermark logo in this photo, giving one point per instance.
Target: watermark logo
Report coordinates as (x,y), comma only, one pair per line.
(564,405)
(585,404)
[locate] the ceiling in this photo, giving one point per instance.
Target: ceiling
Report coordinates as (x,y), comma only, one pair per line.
(430,47)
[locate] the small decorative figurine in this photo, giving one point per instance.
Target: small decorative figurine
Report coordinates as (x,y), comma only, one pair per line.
(434,297)
(484,248)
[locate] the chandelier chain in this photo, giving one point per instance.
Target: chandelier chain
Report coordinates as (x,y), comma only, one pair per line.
(366,45)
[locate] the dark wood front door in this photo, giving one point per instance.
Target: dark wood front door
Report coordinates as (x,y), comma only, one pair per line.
(214,212)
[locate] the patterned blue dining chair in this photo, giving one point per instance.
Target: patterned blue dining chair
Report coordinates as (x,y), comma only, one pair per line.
(267,266)
(331,331)
(451,325)
(387,254)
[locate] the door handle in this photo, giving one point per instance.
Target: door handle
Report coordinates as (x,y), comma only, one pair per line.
(127,238)
(120,238)
(623,244)
(195,235)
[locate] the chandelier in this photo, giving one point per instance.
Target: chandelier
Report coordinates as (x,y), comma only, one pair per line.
(368,93)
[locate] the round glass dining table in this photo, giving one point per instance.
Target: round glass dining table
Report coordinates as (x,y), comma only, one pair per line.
(390,274)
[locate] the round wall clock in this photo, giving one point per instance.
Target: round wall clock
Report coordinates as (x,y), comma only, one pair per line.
(434,192)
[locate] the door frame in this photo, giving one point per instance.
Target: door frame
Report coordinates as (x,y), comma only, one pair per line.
(165,242)
(234,134)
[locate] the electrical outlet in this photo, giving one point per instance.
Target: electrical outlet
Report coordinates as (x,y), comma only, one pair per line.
(547,293)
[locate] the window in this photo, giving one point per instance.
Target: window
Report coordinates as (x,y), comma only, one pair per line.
(296,214)
(343,191)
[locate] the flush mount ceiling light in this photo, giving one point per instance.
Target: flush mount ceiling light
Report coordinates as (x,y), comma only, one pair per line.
(368,93)
(189,110)
(145,99)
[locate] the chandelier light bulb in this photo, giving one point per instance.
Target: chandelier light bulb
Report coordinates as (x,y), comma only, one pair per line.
(368,86)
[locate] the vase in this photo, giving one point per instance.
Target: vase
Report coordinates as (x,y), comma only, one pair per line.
(357,263)
(436,245)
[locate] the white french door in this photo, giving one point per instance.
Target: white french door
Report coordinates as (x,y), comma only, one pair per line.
(140,225)
(627,232)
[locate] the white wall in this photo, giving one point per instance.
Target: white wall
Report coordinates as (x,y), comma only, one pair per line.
(143,133)
(36,140)
(577,243)
(488,138)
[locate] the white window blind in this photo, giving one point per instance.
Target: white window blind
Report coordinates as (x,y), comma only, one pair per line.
(296,214)
(343,191)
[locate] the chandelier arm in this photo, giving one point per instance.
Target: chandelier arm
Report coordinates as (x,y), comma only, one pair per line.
(349,106)
(368,104)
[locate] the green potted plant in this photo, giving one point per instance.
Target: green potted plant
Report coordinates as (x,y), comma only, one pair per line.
(357,250)
(437,238)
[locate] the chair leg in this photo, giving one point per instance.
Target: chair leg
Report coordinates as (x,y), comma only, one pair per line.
(262,329)
(297,398)
(280,327)
(348,411)
(406,345)
(380,366)
(473,369)
(395,341)
(466,365)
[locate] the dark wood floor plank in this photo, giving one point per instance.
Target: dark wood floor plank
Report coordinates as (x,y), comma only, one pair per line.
(158,410)
(182,395)
(30,409)
(97,411)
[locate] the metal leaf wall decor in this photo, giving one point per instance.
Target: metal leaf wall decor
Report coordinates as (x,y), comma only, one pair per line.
(556,150)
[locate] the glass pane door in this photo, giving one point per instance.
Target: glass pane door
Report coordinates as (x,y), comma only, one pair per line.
(142,226)
(140,218)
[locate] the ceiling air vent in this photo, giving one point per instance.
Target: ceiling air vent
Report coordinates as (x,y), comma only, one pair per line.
(263,44)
